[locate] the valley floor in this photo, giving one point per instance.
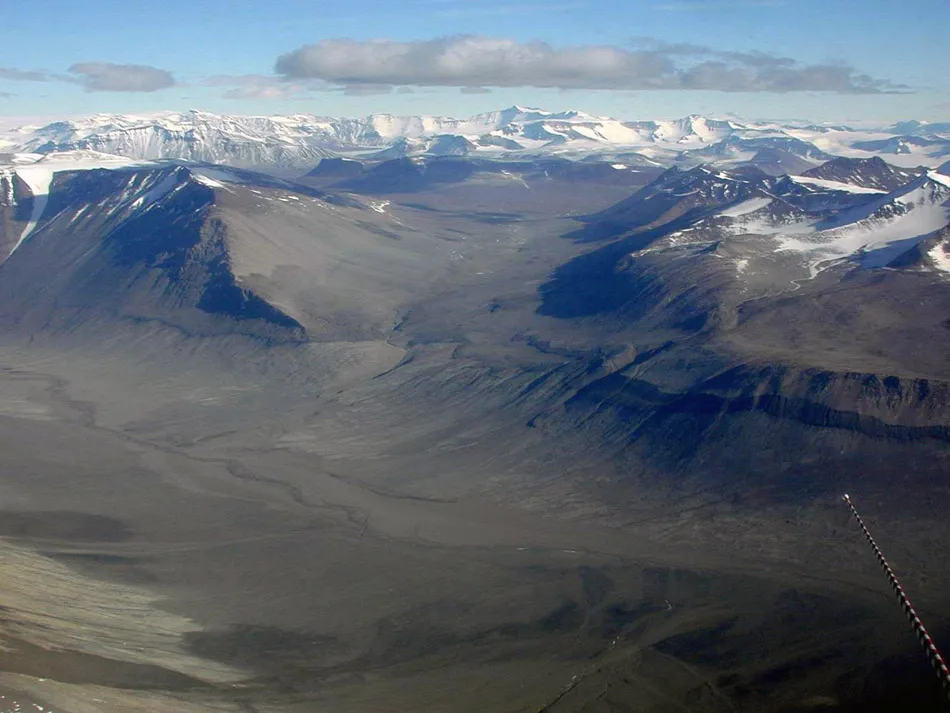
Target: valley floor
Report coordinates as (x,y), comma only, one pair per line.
(232,575)
(457,496)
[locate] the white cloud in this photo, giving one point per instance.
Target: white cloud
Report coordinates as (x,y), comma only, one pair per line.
(108,77)
(471,61)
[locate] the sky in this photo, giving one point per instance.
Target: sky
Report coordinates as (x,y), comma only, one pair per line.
(821,60)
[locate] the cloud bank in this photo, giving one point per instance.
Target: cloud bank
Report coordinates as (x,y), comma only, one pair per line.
(472,61)
(108,77)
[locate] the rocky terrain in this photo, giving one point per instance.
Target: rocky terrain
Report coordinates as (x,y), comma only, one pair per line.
(471,434)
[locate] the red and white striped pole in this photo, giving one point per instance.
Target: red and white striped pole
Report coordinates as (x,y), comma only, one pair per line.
(933,654)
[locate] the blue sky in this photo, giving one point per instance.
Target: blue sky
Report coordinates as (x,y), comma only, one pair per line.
(852,60)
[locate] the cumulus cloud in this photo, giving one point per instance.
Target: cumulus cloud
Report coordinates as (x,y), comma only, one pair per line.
(23,75)
(108,77)
(472,61)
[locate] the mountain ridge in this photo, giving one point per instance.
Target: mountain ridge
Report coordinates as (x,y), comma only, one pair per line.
(298,141)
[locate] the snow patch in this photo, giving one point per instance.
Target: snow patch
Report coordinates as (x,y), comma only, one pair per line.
(38,179)
(834,185)
(940,257)
(214,178)
(209,182)
(156,193)
(937,177)
(749,206)
(25,158)
(876,237)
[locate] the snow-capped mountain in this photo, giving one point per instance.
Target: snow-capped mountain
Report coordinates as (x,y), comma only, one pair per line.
(680,196)
(918,145)
(192,136)
(736,147)
(921,128)
(868,173)
(299,141)
(876,232)
(780,231)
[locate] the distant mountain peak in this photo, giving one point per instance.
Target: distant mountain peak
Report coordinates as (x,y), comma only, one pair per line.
(873,172)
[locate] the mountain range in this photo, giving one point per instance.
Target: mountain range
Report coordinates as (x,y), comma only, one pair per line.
(298,141)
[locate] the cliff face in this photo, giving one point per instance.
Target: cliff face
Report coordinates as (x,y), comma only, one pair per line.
(875,405)
(785,434)
(884,407)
